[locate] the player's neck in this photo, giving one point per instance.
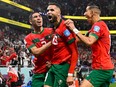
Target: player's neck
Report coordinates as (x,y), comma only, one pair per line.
(96,19)
(57,23)
(38,30)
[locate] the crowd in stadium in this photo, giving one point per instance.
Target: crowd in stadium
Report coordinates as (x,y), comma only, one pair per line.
(70,7)
(13,38)
(74,7)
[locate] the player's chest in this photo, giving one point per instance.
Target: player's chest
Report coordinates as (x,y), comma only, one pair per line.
(40,40)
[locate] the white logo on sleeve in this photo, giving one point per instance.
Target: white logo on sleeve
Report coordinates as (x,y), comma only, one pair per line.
(96,28)
(66,32)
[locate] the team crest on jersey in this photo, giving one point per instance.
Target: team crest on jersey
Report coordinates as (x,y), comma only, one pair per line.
(66,32)
(96,28)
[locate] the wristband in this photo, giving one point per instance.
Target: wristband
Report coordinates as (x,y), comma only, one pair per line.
(76,31)
(70,74)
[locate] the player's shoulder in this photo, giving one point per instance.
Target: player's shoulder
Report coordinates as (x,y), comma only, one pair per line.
(28,35)
(99,26)
(100,23)
(48,29)
(63,25)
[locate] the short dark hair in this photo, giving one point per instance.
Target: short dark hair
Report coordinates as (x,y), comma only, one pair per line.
(55,3)
(94,6)
(30,16)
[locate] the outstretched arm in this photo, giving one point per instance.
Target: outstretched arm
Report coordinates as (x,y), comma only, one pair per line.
(87,40)
(73,63)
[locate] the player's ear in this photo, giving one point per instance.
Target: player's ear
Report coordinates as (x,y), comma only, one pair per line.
(92,13)
(30,21)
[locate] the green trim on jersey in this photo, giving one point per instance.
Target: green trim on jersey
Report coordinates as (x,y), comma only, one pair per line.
(38,32)
(31,47)
(92,34)
(35,40)
(48,37)
(72,40)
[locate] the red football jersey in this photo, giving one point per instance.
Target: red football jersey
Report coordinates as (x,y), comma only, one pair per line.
(101,48)
(13,55)
(4,60)
(39,39)
(13,76)
(64,49)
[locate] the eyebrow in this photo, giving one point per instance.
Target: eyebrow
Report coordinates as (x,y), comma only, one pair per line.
(50,9)
(36,15)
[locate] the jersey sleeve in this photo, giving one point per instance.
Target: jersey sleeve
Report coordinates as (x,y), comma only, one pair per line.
(74,57)
(68,36)
(96,31)
(28,42)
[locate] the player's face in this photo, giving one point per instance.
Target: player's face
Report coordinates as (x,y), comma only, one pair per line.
(36,20)
(53,13)
(88,14)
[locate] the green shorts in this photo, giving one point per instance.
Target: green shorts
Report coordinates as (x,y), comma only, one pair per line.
(100,78)
(38,80)
(57,74)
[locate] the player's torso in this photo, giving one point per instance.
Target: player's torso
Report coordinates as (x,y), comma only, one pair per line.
(101,48)
(39,40)
(61,51)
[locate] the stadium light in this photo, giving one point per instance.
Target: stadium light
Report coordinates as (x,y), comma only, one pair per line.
(17,5)
(5,20)
(84,18)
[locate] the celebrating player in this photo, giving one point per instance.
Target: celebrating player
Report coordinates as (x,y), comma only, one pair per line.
(98,37)
(64,51)
(38,43)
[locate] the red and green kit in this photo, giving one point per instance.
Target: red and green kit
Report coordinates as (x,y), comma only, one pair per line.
(38,40)
(101,48)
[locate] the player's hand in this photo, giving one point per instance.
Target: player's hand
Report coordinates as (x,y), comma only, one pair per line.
(70,24)
(70,80)
(48,64)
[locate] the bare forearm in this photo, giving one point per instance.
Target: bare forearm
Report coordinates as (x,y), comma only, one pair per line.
(38,51)
(87,40)
(84,39)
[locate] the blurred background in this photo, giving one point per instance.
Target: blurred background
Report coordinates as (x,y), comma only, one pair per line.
(14,26)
